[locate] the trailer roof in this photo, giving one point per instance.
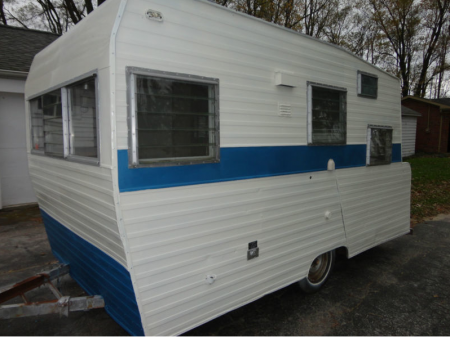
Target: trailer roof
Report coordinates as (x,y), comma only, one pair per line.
(209,2)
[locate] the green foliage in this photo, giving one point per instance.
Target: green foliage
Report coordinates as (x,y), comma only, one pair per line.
(430,193)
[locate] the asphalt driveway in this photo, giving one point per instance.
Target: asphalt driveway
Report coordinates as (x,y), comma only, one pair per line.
(399,288)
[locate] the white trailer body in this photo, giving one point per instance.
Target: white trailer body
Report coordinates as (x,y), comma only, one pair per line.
(289,144)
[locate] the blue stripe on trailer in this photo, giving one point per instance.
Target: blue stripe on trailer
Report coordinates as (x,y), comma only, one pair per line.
(245,163)
(97,273)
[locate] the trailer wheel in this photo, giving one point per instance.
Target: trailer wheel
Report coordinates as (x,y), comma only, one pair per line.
(319,272)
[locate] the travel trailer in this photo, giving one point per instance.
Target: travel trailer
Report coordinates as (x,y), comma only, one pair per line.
(189,159)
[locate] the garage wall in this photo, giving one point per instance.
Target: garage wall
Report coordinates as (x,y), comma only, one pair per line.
(15,183)
(409,136)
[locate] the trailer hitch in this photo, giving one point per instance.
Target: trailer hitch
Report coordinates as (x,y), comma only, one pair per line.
(62,305)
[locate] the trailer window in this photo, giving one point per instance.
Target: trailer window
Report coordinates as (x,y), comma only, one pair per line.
(64,122)
(327,115)
(367,85)
(174,120)
(83,119)
(47,124)
(379,145)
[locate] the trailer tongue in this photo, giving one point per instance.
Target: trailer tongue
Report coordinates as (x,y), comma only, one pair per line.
(62,305)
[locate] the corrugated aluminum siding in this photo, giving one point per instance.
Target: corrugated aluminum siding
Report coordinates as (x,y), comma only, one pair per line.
(97,273)
(375,203)
(177,236)
(198,38)
(409,136)
(81,198)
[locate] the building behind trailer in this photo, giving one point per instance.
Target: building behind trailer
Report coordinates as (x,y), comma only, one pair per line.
(17,49)
(433,129)
(189,159)
(409,130)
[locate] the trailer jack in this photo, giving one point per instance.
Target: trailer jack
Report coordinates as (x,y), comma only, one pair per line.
(62,305)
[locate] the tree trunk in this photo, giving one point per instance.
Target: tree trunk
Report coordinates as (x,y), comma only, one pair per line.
(2,14)
(439,21)
(89,6)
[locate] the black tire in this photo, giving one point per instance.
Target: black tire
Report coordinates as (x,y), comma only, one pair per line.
(319,272)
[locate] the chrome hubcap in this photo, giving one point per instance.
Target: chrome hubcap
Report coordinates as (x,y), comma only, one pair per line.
(319,268)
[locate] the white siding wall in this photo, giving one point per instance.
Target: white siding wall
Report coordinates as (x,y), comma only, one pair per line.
(15,183)
(178,236)
(375,203)
(79,196)
(200,39)
(409,136)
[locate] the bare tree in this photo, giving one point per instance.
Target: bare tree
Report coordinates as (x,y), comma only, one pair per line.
(56,16)
(399,22)
(2,14)
(442,65)
(436,16)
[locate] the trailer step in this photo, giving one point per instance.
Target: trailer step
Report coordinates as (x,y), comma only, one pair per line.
(62,305)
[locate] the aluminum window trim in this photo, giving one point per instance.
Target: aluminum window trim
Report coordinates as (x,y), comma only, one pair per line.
(359,84)
(81,159)
(65,100)
(369,140)
(310,86)
(133,140)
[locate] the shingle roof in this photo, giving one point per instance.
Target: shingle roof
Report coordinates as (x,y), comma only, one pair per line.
(19,45)
(444,107)
(410,112)
(444,101)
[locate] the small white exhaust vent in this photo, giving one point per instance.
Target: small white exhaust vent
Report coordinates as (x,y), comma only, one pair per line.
(285,79)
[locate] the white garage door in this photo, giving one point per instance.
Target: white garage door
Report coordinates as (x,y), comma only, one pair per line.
(409,126)
(15,184)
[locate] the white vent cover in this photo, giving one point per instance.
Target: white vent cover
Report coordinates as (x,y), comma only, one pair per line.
(284,110)
(285,80)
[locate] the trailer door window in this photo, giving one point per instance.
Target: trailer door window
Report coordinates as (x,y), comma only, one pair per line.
(174,120)
(327,115)
(64,122)
(367,85)
(379,145)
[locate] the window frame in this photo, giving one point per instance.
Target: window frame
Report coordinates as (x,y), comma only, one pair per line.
(309,96)
(133,143)
(369,140)
(359,84)
(65,101)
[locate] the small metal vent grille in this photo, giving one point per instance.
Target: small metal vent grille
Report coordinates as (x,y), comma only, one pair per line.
(284,110)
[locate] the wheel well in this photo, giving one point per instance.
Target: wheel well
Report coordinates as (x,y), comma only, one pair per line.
(342,251)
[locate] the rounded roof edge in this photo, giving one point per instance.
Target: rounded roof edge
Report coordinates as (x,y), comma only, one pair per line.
(297,33)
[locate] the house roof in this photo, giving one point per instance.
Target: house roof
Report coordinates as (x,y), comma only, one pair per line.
(410,112)
(443,107)
(444,101)
(19,45)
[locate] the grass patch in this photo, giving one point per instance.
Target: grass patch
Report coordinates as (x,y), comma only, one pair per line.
(430,193)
